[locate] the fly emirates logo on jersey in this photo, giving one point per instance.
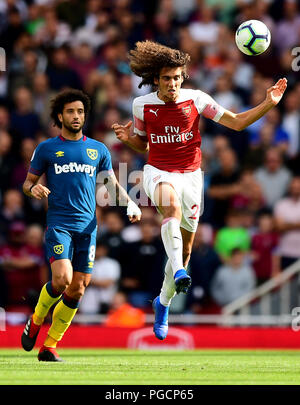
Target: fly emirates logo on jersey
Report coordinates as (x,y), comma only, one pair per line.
(172,135)
(75,167)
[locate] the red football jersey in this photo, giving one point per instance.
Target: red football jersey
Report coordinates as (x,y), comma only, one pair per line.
(172,128)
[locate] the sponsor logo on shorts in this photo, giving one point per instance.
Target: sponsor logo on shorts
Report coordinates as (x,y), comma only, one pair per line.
(58,249)
(90,265)
(156,178)
(92,153)
(75,167)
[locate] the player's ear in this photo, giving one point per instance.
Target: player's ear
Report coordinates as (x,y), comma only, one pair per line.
(59,116)
(155,81)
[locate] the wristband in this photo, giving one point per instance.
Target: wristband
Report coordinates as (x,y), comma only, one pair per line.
(31,188)
(133,209)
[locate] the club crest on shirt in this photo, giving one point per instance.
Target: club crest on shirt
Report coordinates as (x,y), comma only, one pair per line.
(187,110)
(58,249)
(92,153)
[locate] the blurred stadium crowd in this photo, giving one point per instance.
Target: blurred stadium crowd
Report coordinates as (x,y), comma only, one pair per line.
(250,227)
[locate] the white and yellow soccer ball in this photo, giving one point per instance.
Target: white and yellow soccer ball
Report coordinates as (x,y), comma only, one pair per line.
(252,37)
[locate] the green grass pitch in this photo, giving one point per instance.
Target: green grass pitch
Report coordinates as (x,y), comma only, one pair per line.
(135,367)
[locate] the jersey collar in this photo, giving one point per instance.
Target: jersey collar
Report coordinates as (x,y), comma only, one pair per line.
(83,138)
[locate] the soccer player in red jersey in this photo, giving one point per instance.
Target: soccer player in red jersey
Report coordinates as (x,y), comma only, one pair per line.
(166,123)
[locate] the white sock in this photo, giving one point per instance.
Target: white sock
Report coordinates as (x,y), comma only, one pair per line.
(168,290)
(172,240)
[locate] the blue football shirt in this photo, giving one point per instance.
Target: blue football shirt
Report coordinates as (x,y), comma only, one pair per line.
(71,168)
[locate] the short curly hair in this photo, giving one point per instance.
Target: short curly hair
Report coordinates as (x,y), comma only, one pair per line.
(148,58)
(65,97)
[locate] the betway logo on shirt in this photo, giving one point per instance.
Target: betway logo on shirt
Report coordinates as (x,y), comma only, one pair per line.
(172,135)
(75,167)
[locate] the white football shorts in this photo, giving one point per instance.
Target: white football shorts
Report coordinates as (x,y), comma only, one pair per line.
(189,188)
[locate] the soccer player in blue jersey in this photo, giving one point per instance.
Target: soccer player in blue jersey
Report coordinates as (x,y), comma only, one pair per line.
(75,166)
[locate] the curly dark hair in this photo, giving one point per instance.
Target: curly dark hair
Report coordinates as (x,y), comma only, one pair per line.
(65,97)
(148,58)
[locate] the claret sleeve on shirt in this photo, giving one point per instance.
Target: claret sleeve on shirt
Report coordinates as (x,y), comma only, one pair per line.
(208,107)
(105,165)
(138,117)
(38,161)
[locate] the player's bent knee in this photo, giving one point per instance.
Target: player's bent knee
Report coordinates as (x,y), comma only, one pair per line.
(77,289)
(172,212)
(61,274)
(61,283)
(76,292)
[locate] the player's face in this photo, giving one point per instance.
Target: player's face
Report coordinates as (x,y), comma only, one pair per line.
(72,117)
(169,83)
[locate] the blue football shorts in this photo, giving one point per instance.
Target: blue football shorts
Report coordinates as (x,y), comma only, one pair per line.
(78,247)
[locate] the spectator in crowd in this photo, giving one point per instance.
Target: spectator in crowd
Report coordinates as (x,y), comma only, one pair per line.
(52,33)
(12,210)
(233,280)
(273,177)
(5,123)
(24,120)
(205,30)
(124,315)
(241,73)
(164,31)
(3,289)
(287,222)
(125,97)
(291,124)
(42,95)
(263,248)
(34,239)
(286,33)
(22,267)
(25,73)
(35,19)
(143,269)
(256,153)
(94,32)
(249,195)
(203,264)
(59,73)
(20,170)
(6,160)
(104,283)
(232,236)
(13,30)
(225,95)
(223,185)
(83,61)
(268,136)
(113,225)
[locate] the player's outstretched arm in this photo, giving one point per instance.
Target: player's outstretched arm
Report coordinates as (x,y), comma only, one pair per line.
(135,142)
(32,189)
(242,120)
(120,196)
